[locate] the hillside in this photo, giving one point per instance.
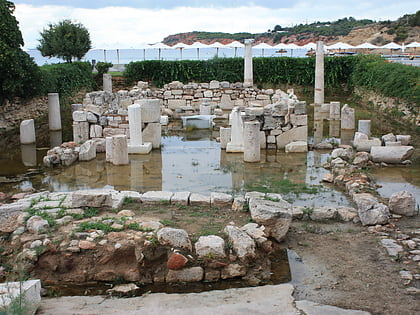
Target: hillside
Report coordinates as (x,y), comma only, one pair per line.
(406,29)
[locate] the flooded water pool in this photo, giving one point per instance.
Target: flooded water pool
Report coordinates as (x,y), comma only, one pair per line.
(186,162)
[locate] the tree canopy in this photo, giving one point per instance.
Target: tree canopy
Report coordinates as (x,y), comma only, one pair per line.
(20,75)
(65,40)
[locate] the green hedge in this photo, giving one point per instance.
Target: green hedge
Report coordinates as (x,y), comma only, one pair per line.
(274,70)
(66,78)
(389,79)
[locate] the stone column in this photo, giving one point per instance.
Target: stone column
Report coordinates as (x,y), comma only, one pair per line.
(27,131)
(236,143)
(56,138)
(347,118)
(224,137)
(54,114)
(108,149)
(119,150)
(319,73)
(318,124)
(107,82)
(364,127)
(136,145)
(252,138)
(248,72)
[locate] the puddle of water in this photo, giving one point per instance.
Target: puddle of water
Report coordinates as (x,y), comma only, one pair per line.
(187,162)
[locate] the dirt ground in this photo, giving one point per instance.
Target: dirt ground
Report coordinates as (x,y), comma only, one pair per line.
(344,265)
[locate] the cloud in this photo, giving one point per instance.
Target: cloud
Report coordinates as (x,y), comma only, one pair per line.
(126,27)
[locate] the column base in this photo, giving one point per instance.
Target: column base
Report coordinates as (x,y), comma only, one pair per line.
(140,149)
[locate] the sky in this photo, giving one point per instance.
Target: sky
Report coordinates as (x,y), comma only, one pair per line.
(132,23)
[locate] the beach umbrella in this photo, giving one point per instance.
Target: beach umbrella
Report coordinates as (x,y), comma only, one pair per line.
(235,44)
(180,46)
(392,46)
(217,45)
(281,48)
(340,46)
(262,46)
(366,46)
(309,46)
(291,47)
(413,45)
(198,45)
(160,46)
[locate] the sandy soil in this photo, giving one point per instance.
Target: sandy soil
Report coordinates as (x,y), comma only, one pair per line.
(344,265)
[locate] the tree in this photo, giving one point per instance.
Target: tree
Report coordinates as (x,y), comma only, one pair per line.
(20,76)
(65,40)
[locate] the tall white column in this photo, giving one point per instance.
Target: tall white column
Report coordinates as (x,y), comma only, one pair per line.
(107,82)
(236,143)
(136,145)
(248,72)
(54,114)
(252,145)
(27,132)
(319,73)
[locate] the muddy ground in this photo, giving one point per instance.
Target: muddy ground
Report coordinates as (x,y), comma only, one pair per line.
(345,265)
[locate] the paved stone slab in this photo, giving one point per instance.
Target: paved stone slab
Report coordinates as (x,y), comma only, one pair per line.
(311,308)
(199,200)
(156,197)
(180,198)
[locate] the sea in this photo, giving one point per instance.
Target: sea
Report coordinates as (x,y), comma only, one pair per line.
(125,56)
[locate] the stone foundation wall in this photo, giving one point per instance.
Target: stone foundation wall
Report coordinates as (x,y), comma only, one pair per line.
(12,113)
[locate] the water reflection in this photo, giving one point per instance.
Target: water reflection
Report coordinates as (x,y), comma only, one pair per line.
(28,152)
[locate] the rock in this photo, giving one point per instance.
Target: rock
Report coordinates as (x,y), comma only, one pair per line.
(347,214)
(180,198)
(233,271)
(199,200)
(238,204)
(371,212)
(323,213)
(154,225)
(276,216)
(312,308)
(91,198)
(176,261)
(391,246)
(174,237)
(220,200)
(338,162)
(87,151)
(243,245)
(391,154)
(389,137)
(323,146)
(36,243)
(361,159)
(254,194)
(211,246)
(404,139)
(296,147)
(185,275)
(37,225)
(123,289)
(257,233)
(367,145)
(86,245)
(406,275)
(126,213)
(151,197)
(403,203)
(328,177)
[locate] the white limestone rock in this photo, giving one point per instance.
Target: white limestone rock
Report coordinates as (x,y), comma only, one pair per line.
(151,197)
(403,202)
(243,245)
(391,154)
(220,199)
(92,198)
(37,225)
(371,212)
(210,246)
(177,238)
(87,151)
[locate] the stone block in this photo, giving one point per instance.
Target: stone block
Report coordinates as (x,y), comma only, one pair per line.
(80,131)
(27,132)
(180,198)
(263,140)
(176,104)
(335,110)
(87,151)
(177,238)
(91,118)
(298,120)
(79,115)
(366,145)
(151,197)
(391,154)
(119,150)
(153,133)
(192,274)
(109,132)
(97,110)
(150,110)
(199,200)
(404,139)
(296,147)
(347,117)
(224,137)
(220,200)
(28,291)
(300,108)
(210,246)
(294,134)
(91,198)
(242,244)
(95,131)
(214,84)
(364,127)
(226,102)
(208,94)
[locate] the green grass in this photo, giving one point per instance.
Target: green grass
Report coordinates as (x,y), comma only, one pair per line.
(87,226)
(135,226)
